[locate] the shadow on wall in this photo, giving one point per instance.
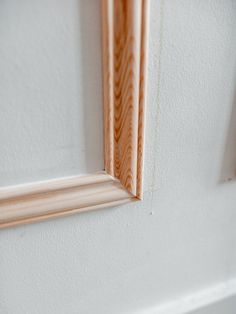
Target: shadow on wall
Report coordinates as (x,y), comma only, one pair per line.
(226,306)
(228,171)
(91,54)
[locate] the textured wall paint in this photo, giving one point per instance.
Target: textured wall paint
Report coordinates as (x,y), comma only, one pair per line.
(181,238)
(228,306)
(50,60)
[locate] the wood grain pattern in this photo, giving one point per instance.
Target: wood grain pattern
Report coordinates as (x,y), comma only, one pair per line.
(124,85)
(108,92)
(59,197)
(125,50)
(142,95)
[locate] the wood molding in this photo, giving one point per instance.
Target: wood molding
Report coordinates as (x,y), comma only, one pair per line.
(125,54)
(39,201)
(124,84)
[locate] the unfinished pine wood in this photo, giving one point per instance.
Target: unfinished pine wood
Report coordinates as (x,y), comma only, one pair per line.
(125,35)
(142,95)
(59,197)
(124,45)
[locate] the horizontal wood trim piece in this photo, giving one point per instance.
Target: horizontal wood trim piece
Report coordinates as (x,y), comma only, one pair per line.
(124,85)
(24,190)
(59,198)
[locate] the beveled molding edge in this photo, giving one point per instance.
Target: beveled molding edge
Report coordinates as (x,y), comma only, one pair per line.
(60,197)
(124,85)
(125,32)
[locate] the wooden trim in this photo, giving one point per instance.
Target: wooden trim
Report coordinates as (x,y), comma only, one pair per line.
(125,54)
(124,85)
(60,197)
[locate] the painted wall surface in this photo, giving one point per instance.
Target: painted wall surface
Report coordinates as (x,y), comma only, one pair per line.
(50,61)
(227,306)
(182,237)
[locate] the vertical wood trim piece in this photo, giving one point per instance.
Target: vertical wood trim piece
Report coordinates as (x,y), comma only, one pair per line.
(126,90)
(108,78)
(124,36)
(142,95)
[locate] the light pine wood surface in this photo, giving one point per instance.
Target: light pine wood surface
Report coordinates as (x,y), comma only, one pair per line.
(59,197)
(125,54)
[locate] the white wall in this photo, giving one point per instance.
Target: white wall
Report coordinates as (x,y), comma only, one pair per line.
(182,237)
(50,61)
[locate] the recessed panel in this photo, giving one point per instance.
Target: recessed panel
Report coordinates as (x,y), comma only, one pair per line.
(50,89)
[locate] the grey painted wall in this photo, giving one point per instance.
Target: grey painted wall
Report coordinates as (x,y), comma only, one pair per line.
(181,238)
(50,89)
